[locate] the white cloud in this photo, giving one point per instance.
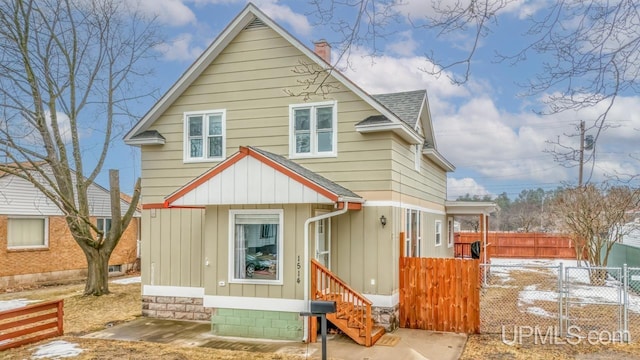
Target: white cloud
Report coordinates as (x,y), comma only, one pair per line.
(498,145)
(461,187)
(170,12)
(284,14)
(416,9)
(405,45)
(181,48)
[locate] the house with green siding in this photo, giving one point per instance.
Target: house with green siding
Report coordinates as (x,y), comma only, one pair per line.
(248,187)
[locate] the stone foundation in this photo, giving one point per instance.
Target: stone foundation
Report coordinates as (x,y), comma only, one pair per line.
(387,317)
(175,307)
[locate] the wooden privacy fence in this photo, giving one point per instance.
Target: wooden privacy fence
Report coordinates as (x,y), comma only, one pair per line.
(523,245)
(440,294)
(30,324)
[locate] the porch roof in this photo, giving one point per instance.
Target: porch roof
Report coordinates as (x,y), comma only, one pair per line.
(471,207)
(256,176)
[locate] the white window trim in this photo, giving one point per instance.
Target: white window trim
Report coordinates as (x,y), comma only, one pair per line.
(185,136)
(450,232)
(407,229)
(417,157)
(232,228)
(104,222)
(436,233)
(46,233)
(314,153)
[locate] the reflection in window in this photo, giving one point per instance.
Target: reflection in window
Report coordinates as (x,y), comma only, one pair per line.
(313,129)
(204,135)
(257,245)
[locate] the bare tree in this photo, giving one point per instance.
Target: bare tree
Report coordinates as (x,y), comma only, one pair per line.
(596,218)
(68,69)
(590,49)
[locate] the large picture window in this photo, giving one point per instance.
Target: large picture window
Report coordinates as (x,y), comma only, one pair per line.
(313,129)
(204,135)
(255,246)
(24,233)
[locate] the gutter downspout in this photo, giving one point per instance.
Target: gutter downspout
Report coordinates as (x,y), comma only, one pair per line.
(307,261)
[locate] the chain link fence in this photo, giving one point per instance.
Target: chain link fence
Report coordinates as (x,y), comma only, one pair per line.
(517,295)
(578,302)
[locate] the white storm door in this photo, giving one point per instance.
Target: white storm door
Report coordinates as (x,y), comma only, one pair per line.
(323,242)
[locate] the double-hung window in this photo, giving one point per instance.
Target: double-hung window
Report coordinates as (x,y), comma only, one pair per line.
(104,225)
(438,232)
(27,233)
(204,135)
(255,243)
(313,130)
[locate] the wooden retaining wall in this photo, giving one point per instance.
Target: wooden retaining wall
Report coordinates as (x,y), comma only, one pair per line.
(523,245)
(440,294)
(30,324)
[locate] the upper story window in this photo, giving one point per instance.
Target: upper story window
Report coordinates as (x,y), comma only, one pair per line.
(313,129)
(204,135)
(27,233)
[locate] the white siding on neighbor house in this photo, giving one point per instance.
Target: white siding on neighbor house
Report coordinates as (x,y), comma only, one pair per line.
(633,237)
(250,181)
(20,197)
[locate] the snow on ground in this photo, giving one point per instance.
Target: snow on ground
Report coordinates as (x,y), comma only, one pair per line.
(129,280)
(56,350)
(576,281)
(16,303)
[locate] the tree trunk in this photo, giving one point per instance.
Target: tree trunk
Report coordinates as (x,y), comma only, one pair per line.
(98,272)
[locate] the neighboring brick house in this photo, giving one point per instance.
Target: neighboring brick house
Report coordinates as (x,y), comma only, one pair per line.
(36,245)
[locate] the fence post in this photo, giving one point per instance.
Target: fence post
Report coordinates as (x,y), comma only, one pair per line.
(560,298)
(625,303)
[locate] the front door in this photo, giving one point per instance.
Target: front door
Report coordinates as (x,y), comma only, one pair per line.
(323,242)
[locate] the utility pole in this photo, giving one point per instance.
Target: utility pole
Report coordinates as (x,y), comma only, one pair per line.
(581,152)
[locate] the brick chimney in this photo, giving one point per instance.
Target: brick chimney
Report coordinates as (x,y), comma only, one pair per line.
(323,49)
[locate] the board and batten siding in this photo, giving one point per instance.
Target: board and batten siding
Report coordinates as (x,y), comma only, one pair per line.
(429,248)
(216,249)
(362,250)
(20,197)
(248,79)
(172,247)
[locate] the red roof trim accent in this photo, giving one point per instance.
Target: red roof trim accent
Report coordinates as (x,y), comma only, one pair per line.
(153,206)
(351,206)
(204,177)
(292,174)
(243,152)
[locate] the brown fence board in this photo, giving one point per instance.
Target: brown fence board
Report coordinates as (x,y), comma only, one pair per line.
(28,324)
(439,293)
(523,245)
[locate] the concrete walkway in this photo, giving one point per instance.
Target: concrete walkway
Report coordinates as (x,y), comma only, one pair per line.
(402,344)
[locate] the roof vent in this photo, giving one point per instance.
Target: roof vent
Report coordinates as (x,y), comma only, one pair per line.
(255,24)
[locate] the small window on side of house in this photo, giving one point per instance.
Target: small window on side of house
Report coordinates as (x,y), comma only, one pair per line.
(27,233)
(438,237)
(204,135)
(450,232)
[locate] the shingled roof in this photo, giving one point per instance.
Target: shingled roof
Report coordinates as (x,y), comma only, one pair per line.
(405,105)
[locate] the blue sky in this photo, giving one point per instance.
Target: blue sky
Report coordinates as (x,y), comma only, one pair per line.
(490,133)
